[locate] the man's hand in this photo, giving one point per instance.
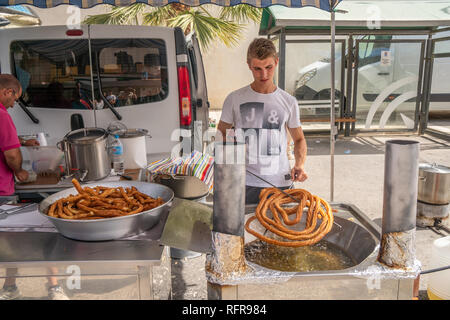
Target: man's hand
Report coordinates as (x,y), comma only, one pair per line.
(300,149)
(222,129)
(298,174)
(30,143)
(22,175)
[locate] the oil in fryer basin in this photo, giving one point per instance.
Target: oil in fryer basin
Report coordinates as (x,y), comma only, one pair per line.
(317,257)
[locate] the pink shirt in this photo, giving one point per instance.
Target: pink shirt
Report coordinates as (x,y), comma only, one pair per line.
(8,140)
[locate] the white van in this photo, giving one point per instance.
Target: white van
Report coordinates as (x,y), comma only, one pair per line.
(145,77)
(381,65)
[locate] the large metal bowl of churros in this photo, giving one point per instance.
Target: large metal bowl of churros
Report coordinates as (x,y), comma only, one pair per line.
(107,211)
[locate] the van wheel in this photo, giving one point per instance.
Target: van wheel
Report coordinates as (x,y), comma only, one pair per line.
(325,94)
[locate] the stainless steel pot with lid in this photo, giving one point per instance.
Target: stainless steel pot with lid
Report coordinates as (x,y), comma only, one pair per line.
(434,184)
(86,153)
(134,144)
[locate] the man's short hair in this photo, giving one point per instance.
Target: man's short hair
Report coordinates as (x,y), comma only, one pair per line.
(8,81)
(261,48)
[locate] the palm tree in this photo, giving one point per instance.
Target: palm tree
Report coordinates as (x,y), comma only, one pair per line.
(227,26)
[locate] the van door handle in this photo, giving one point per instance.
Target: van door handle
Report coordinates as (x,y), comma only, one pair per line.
(199,103)
(383,73)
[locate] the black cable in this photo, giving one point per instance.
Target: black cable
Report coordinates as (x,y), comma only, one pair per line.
(435,270)
(438,225)
(436,231)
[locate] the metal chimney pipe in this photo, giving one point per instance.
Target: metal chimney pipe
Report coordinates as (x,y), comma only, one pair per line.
(229,188)
(227,258)
(401,174)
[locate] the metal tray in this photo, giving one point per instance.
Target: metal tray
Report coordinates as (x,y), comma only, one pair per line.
(110,228)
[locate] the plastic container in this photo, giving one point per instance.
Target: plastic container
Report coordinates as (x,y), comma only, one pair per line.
(117,157)
(44,159)
(439,282)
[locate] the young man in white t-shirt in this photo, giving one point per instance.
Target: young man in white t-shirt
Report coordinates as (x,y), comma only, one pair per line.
(260,114)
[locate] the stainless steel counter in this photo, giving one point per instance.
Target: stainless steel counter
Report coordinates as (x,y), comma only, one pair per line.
(36,248)
(44,254)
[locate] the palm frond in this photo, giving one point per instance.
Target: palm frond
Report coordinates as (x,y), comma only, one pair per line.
(241,13)
(119,15)
(207,27)
(159,16)
(225,28)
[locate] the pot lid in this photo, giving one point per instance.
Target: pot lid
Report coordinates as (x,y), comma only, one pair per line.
(434,168)
(116,126)
(86,135)
(131,133)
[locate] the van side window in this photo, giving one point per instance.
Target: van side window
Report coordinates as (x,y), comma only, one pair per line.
(132,71)
(53,73)
(370,52)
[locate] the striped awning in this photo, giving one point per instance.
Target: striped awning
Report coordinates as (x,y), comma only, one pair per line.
(322,4)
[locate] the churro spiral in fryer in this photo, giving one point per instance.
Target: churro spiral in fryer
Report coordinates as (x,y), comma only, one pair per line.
(274,199)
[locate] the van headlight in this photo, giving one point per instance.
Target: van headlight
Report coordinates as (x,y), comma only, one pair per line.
(306,77)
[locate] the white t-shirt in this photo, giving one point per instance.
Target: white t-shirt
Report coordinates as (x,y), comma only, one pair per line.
(260,120)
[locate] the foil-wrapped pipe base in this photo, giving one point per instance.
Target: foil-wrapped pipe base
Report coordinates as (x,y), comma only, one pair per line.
(397,249)
(227,261)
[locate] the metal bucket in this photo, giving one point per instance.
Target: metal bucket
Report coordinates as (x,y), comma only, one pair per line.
(86,153)
(134,147)
(434,184)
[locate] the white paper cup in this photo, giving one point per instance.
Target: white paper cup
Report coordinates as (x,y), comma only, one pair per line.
(41,139)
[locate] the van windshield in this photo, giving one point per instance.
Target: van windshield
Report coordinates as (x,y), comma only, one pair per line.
(57,73)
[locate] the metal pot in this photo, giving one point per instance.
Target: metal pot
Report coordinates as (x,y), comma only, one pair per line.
(86,153)
(185,187)
(134,147)
(434,184)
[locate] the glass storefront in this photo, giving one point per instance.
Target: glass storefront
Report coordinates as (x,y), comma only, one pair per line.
(308,78)
(386,79)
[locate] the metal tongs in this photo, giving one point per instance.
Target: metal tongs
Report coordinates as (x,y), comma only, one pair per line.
(4,213)
(285,193)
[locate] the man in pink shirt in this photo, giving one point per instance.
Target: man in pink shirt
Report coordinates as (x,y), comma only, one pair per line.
(10,165)
(10,155)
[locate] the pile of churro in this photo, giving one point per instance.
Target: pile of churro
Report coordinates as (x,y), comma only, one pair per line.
(102,202)
(274,199)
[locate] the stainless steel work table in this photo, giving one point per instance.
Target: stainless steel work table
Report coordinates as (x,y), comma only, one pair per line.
(44,254)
